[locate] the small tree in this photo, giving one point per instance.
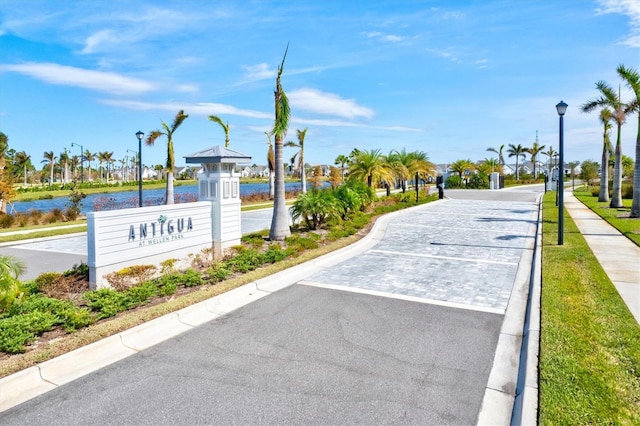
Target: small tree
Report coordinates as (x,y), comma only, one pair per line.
(589,171)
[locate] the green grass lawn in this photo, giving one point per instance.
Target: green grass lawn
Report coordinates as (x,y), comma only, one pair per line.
(618,218)
(590,342)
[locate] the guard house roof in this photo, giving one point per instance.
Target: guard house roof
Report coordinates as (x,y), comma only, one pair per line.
(217,154)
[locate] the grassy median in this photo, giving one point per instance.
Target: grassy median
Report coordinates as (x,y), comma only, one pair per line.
(590,342)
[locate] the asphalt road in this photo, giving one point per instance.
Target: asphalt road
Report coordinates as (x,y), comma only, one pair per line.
(402,333)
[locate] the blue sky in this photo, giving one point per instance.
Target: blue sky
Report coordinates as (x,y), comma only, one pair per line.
(450,78)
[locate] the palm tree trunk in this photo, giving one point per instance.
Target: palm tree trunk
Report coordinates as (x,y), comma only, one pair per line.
(25,175)
(303,179)
(169,194)
(603,196)
(635,204)
(280,220)
(517,170)
(616,197)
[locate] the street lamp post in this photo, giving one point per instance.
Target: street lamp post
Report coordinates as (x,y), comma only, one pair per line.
(139,135)
(81,161)
(561,108)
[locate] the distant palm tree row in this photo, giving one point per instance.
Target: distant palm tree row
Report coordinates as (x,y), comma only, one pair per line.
(520,152)
(376,169)
(612,108)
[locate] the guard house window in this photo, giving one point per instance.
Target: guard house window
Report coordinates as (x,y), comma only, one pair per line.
(213,189)
(226,189)
(235,190)
(203,190)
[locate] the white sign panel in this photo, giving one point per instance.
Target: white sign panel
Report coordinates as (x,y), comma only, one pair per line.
(118,238)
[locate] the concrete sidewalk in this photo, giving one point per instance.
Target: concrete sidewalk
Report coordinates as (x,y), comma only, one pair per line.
(619,257)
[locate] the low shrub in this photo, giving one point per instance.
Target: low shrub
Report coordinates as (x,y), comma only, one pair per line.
(19,330)
(6,220)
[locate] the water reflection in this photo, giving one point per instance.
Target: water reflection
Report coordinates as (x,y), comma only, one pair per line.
(125,199)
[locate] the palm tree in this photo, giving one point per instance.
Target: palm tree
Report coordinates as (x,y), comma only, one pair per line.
(550,153)
(50,159)
(370,167)
(64,164)
(271,164)
(399,162)
(224,126)
(500,156)
(74,163)
(300,155)
(534,151)
(22,160)
(280,221)
(158,168)
(108,159)
(168,132)
(607,150)
(609,98)
(517,151)
(341,160)
(632,80)
(101,159)
(89,157)
(462,166)
(492,164)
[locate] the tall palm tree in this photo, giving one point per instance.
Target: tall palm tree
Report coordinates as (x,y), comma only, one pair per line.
(101,159)
(370,167)
(108,159)
(89,158)
(534,151)
(271,164)
(609,98)
(518,151)
(550,153)
(300,155)
(50,159)
(171,162)
(280,221)
(22,159)
(74,163)
(605,118)
(631,78)
(341,160)
(64,165)
(224,126)
(500,156)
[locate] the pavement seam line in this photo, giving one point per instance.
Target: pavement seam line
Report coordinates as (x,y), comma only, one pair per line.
(401,253)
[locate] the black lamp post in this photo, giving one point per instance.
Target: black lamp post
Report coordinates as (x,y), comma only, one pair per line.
(139,135)
(81,161)
(562,108)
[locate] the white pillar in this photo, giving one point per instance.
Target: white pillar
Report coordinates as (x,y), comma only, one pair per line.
(219,184)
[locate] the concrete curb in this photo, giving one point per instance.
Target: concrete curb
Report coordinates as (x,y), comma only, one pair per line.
(31,382)
(499,402)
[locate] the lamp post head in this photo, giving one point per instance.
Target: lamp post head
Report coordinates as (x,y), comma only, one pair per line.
(562,108)
(139,135)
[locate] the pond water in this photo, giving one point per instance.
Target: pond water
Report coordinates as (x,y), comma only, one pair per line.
(125,199)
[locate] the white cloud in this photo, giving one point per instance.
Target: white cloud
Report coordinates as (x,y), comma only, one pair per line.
(258,72)
(200,108)
(327,103)
(95,40)
(78,77)
(630,8)
(393,38)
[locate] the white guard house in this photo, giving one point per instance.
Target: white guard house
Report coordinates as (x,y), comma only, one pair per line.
(219,184)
